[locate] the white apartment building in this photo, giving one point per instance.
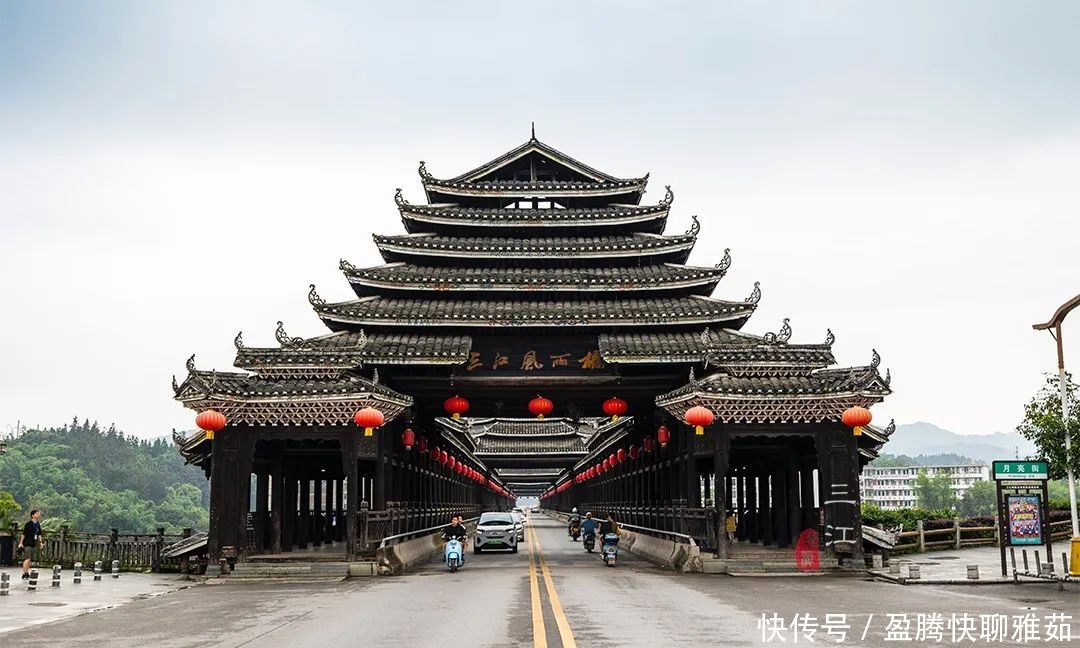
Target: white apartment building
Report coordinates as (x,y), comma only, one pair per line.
(893,488)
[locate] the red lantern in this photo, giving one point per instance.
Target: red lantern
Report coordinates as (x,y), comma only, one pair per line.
(210,421)
(615,407)
(634,452)
(459,469)
(621,455)
(444,457)
(606,464)
(452,461)
(663,435)
(408,438)
(612,460)
(649,444)
(540,406)
(699,417)
(856,417)
(456,406)
(369,418)
(422,445)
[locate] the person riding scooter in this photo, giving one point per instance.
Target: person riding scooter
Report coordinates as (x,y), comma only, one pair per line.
(573,527)
(589,527)
(609,538)
(456,530)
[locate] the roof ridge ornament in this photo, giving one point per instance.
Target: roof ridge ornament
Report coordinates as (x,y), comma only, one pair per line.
(238,341)
(755,296)
(693,378)
(345,266)
(532,136)
(190,364)
(175,387)
(313,297)
(890,428)
(375,376)
(399,199)
(422,170)
(785,332)
(283,339)
(875,359)
(829,337)
(362,342)
(725,263)
(695,226)
(669,195)
(888,377)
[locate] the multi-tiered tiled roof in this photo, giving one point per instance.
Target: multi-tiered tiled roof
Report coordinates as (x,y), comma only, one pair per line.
(532,242)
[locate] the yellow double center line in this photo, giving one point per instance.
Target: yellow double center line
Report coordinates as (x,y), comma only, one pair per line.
(539,631)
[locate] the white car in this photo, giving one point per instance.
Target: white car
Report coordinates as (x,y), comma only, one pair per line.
(519,525)
(495,531)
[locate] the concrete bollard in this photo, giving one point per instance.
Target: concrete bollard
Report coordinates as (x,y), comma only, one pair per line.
(56,575)
(77,578)
(894,567)
(876,561)
(97,570)
(1047,569)
(116,569)
(31,585)
(913,572)
(973,572)
(5,583)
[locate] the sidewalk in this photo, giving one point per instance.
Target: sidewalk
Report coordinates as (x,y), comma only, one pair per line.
(951,567)
(23,608)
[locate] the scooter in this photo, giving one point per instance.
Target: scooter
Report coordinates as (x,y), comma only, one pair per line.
(589,540)
(610,549)
(454,556)
(575,532)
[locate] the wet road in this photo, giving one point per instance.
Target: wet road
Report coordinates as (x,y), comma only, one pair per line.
(554,595)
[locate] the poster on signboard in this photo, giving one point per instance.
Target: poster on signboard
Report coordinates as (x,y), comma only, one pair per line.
(1025,523)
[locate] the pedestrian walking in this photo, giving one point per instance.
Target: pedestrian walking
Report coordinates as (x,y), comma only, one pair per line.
(28,543)
(730,526)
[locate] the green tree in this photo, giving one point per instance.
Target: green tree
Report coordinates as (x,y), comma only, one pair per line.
(979,499)
(1043,426)
(934,492)
(9,511)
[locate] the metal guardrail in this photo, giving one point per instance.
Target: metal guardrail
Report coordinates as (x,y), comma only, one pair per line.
(409,535)
(678,536)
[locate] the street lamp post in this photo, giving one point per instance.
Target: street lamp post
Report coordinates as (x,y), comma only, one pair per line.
(1054,326)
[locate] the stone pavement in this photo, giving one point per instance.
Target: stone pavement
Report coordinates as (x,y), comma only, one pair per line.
(951,567)
(22,608)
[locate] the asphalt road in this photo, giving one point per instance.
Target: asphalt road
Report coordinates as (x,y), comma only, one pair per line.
(556,595)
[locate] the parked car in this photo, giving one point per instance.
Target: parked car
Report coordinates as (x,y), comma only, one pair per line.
(519,524)
(495,531)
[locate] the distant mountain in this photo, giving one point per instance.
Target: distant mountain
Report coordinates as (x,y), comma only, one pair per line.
(926,438)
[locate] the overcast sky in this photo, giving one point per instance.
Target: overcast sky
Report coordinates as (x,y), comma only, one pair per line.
(170,173)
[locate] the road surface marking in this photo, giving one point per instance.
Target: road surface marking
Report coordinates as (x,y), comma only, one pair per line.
(565,633)
(539,631)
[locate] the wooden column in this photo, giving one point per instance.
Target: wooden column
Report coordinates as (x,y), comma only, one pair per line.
(765,494)
(349,452)
(743,529)
(317,523)
(721,459)
(794,520)
(304,537)
(753,517)
(277,504)
(806,488)
(262,508)
(378,499)
(780,493)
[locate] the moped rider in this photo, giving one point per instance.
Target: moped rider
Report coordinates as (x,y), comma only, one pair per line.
(589,525)
(456,530)
(575,520)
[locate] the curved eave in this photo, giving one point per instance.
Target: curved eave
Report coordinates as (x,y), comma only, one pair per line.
(708,281)
(392,247)
(526,190)
(734,318)
(531,218)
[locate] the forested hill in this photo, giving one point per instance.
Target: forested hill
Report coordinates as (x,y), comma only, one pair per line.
(98,479)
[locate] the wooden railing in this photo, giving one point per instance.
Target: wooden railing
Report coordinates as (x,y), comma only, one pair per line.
(957,536)
(135,552)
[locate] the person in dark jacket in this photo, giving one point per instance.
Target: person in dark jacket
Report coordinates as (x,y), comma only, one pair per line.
(28,543)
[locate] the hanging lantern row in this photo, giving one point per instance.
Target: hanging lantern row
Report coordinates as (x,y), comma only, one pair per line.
(856,418)
(663,435)
(210,421)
